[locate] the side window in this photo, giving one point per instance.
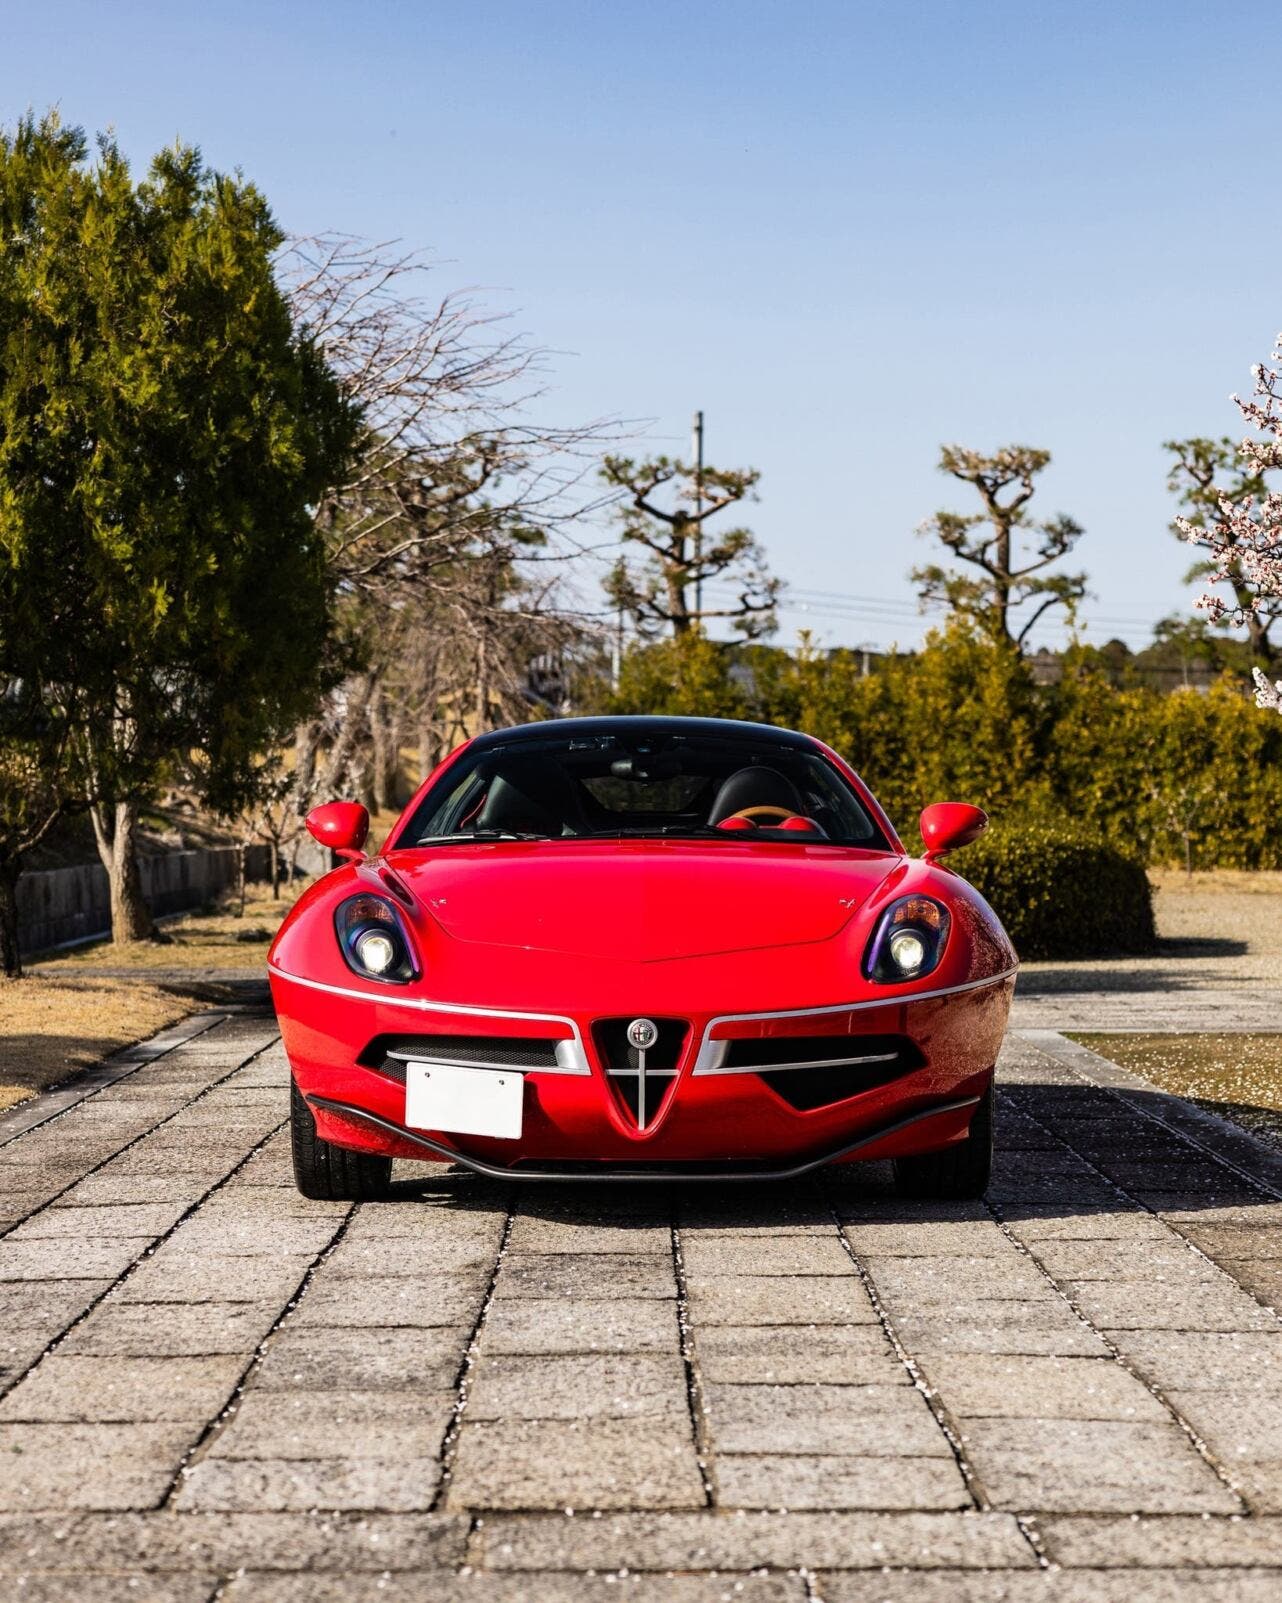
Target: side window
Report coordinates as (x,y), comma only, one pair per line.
(838,809)
(459,808)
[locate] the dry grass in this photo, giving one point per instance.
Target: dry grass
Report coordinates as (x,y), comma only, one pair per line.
(380,827)
(71,1010)
(1220,928)
(1170,882)
(1237,1076)
(196,941)
(50,1028)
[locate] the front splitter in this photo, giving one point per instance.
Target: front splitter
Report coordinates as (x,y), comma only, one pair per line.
(655,1172)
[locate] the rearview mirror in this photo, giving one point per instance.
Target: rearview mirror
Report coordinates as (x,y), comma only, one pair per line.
(947,825)
(342,826)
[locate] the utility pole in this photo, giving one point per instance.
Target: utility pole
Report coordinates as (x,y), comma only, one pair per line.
(697,453)
(616,652)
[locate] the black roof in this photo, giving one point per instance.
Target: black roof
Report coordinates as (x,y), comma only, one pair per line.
(642,725)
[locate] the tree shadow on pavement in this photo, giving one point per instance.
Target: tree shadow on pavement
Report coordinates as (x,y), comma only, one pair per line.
(1071,980)
(1061,1150)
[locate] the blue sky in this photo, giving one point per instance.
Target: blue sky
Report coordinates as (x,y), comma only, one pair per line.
(848,232)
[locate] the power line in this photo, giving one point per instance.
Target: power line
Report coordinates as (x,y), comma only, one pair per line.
(886,609)
(864,620)
(697,453)
(914,607)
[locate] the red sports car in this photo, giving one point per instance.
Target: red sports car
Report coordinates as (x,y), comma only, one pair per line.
(642,949)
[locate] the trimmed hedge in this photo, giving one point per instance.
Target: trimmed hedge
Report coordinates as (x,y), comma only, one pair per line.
(1061,892)
(1165,778)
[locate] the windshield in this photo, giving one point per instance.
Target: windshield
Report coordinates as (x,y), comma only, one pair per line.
(653,785)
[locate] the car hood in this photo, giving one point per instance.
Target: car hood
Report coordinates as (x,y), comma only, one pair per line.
(641,901)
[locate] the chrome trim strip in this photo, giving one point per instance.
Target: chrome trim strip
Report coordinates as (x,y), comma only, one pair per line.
(715,1052)
(643,1074)
(569,1058)
(436,1149)
(710,1062)
(811,1063)
(471,1063)
(575,1053)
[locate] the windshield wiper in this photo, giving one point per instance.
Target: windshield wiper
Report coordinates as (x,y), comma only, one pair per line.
(711,832)
(482,835)
(664,832)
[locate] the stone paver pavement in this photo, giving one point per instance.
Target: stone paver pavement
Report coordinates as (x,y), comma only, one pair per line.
(211,1388)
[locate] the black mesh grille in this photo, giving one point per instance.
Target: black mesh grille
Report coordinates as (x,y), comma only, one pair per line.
(389,1053)
(781,1049)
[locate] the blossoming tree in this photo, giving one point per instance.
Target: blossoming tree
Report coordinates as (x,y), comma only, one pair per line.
(1246,538)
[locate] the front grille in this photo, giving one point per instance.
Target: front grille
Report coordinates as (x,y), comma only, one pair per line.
(390,1053)
(642,1081)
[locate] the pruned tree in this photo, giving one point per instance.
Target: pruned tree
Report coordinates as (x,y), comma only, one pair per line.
(1006,550)
(1242,529)
(1206,472)
(661,592)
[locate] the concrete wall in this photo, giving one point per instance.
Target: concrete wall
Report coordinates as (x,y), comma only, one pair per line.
(64,904)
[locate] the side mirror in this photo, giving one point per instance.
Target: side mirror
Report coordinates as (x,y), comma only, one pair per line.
(947,825)
(342,826)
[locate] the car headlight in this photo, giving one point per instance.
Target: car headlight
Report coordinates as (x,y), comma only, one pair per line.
(373,941)
(908,941)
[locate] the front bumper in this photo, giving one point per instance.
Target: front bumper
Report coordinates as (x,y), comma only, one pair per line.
(714,1118)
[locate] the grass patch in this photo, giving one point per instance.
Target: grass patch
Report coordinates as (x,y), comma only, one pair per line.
(50,1028)
(1217,881)
(217,939)
(1236,1076)
(72,1010)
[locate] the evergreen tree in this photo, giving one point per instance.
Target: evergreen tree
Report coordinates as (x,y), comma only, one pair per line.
(165,432)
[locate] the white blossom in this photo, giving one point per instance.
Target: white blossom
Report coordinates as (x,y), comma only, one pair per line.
(1266,694)
(1246,538)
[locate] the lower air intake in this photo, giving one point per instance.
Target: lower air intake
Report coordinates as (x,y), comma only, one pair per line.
(815,1071)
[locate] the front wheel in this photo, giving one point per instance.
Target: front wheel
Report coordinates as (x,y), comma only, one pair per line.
(328,1173)
(961,1170)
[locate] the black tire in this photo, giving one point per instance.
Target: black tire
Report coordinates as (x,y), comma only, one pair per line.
(956,1172)
(328,1173)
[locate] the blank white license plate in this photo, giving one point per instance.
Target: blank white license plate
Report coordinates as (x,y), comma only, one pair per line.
(464,1101)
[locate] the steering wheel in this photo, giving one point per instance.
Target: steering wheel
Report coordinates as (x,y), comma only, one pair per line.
(757,816)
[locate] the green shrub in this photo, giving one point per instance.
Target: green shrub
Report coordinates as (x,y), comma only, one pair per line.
(1191,777)
(688,677)
(1060,892)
